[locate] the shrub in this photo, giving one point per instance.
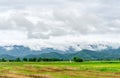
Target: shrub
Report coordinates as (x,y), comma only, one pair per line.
(17,60)
(77,59)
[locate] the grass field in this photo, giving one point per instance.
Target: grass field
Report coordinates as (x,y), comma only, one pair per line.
(60,70)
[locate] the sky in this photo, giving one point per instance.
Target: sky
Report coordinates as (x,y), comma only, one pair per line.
(58,23)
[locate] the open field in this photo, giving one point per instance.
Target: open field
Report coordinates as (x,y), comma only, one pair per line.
(59,70)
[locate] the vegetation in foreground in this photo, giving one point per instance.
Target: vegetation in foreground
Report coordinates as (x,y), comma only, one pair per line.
(91,69)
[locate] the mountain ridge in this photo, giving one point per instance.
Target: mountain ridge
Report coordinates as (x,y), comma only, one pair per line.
(21,52)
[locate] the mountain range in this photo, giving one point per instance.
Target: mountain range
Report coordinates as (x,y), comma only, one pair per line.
(12,52)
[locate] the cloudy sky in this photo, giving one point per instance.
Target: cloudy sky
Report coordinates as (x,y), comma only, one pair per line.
(58,23)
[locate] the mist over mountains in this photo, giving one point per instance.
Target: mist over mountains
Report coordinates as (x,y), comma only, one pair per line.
(92,53)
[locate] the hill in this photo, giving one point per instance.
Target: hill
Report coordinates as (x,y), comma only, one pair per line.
(21,51)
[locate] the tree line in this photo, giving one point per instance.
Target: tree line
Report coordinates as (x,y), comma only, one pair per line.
(75,59)
(29,59)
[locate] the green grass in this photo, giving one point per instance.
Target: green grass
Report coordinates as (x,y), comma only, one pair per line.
(91,69)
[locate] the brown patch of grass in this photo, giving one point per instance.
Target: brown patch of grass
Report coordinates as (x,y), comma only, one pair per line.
(14,75)
(45,69)
(5,77)
(56,69)
(4,71)
(48,69)
(39,76)
(91,74)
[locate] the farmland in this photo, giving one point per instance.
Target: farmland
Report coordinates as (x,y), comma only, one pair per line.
(92,69)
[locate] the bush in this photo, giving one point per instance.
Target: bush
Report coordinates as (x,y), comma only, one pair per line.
(25,59)
(17,60)
(77,59)
(3,60)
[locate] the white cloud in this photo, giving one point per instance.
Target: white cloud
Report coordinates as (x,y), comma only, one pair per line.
(49,21)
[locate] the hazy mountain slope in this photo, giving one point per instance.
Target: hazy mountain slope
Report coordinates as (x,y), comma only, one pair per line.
(21,51)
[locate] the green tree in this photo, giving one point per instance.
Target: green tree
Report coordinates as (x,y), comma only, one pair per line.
(45,59)
(18,59)
(33,59)
(3,60)
(77,59)
(39,59)
(25,59)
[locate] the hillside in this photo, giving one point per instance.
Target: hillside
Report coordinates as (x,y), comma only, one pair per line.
(21,51)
